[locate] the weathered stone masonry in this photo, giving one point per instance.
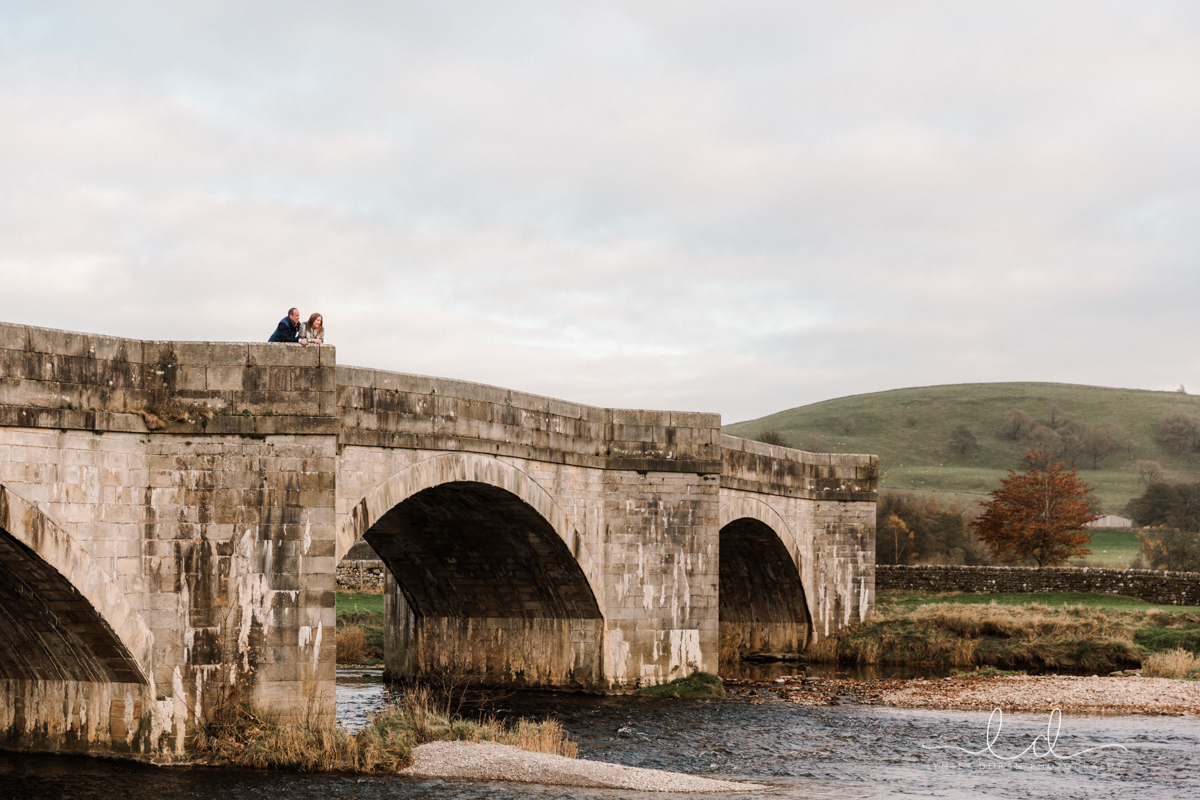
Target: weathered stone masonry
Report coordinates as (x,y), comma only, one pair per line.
(172,515)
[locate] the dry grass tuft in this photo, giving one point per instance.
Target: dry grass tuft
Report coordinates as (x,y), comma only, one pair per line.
(822,651)
(235,734)
(1177,663)
(351,644)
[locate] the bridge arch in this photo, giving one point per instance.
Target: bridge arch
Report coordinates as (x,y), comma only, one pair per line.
(763,604)
(75,656)
(486,571)
(44,571)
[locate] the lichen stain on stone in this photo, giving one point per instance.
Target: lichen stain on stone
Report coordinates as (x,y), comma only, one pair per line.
(685,652)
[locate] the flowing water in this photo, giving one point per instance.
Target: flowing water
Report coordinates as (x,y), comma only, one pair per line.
(801,752)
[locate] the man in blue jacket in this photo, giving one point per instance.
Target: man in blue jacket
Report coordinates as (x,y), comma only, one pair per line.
(288,329)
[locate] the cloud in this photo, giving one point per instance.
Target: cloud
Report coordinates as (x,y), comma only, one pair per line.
(677,205)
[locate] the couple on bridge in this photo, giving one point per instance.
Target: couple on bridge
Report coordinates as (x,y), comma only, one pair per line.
(292,331)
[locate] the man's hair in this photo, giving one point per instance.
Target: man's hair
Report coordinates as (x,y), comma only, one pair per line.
(290,310)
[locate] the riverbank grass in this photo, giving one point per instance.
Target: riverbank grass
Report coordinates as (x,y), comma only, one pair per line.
(697,686)
(237,735)
(1012,632)
(1176,663)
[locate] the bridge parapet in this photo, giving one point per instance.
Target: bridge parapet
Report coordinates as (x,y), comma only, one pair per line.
(760,467)
(390,409)
(75,381)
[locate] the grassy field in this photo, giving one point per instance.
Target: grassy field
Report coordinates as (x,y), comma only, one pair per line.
(349,603)
(1055,632)
(1113,548)
(909,430)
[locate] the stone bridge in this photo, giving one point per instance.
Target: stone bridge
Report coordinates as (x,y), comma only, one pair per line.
(172,515)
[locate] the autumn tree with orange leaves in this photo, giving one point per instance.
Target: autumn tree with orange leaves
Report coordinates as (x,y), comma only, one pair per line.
(1038,515)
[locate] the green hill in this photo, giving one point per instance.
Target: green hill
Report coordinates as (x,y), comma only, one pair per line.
(910,430)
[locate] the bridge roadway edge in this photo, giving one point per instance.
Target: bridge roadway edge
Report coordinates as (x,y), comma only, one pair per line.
(210,481)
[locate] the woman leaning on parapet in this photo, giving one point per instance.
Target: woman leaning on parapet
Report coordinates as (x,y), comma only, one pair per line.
(314,330)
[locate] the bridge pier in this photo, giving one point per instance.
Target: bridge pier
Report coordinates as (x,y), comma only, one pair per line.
(172,513)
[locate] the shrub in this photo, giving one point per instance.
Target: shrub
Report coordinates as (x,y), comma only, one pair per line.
(845,424)
(963,443)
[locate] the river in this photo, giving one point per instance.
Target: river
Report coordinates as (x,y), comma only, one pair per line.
(801,752)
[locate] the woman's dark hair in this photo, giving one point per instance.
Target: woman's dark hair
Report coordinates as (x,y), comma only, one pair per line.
(313,319)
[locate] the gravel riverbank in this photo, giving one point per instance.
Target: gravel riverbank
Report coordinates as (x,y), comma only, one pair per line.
(1024,693)
(497,762)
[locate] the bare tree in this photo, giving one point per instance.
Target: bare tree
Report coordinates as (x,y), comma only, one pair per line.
(845,424)
(1057,417)
(1149,472)
(894,541)
(1179,431)
(1102,441)
(910,420)
(1074,436)
(1017,425)
(1044,439)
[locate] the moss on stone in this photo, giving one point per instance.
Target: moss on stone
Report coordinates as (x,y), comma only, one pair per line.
(697,686)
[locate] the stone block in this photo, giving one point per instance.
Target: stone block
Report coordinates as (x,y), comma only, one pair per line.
(189,378)
(65,343)
(355,376)
(695,419)
(283,355)
(14,337)
(157,352)
(210,354)
(224,378)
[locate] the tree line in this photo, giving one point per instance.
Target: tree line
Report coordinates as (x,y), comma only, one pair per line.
(1064,439)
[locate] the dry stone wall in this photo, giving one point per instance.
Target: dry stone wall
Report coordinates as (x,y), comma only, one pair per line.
(361,575)
(1153,586)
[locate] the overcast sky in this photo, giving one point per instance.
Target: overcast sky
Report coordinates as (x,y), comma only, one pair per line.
(737,207)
